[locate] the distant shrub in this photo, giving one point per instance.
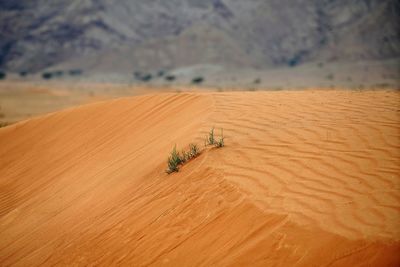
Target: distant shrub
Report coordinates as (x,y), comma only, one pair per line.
(58,73)
(146,77)
(3,75)
(197,80)
(293,62)
(330,77)
(257,81)
(47,75)
(75,72)
(160,73)
(23,73)
(170,78)
(4,124)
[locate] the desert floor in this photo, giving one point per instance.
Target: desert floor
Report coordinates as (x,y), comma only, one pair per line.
(307,178)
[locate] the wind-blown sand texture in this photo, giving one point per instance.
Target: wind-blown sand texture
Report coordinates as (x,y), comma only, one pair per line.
(307,178)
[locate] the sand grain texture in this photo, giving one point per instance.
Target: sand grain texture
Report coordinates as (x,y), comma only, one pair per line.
(307,178)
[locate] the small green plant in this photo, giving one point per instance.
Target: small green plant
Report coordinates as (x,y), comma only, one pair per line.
(185,156)
(176,159)
(193,150)
(220,142)
(173,161)
(210,138)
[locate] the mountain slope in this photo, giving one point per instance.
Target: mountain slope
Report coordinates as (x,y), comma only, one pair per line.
(40,33)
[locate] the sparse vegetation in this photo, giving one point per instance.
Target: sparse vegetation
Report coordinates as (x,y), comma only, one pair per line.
(58,73)
(75,72)
(170,78)
(47,75)
(4,124)
(193,150)
(173,161)
(197,80)
(210,139)
(257,81)
(176,158)
(330,77)
(23,73)
(52,74)
(3,75)
(220,142)
(146,77)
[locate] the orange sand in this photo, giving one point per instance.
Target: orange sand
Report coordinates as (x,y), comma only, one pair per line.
(307,178)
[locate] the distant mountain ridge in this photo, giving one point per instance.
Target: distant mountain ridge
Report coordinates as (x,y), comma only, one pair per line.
(126,34)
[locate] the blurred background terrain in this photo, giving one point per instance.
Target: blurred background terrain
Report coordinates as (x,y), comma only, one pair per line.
(253,44)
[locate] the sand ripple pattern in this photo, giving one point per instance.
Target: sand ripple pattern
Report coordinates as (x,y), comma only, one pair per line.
(327,158)
(307,178)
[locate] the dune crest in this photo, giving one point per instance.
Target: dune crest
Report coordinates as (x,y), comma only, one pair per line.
(306,178)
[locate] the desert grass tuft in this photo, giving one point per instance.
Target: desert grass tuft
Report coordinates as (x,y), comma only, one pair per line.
(210,140)
(220,142)
(173,161)
(193,151)
(176,158)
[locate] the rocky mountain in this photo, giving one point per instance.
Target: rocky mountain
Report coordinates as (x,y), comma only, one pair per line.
(111,35)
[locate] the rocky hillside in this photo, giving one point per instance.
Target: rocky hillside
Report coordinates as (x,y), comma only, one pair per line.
(128,34)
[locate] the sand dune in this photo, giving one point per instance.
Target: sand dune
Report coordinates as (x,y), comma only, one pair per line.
(307,178)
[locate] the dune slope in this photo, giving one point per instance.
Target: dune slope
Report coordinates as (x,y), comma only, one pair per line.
(306,178)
